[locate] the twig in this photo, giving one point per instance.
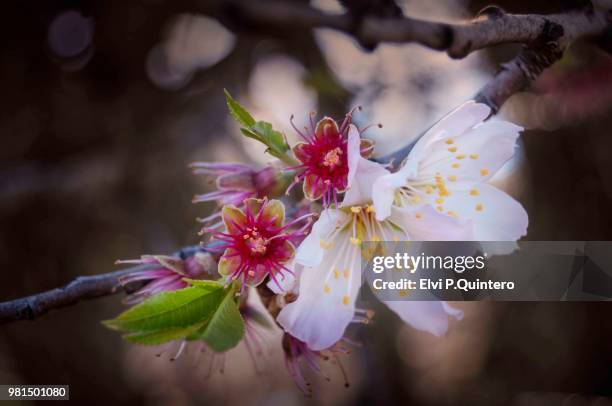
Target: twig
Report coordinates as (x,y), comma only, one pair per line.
(81,288)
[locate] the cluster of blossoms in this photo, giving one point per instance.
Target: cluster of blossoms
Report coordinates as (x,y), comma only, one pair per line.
(309,272)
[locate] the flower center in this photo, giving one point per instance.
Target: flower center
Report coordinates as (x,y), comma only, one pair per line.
(332,157)
(256,243)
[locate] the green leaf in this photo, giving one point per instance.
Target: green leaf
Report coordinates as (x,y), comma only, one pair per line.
(168,310)
(238,112)
(225,328)
(275,140)
(162,336)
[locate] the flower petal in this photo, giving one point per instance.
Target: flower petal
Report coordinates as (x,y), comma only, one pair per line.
(425,316)
(496,215)
(362,172)
(233,218)
(476,155)
(228,263)
(313,187)
(273,211)
(424,223)
(383,192)
(327,128)
(326,302)
(287,282)
(311,250)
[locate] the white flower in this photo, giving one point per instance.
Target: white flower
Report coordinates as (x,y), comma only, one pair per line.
(331,257)
(443,180)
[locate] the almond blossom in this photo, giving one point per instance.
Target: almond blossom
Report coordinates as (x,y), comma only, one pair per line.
(323,157)
(256,241)
(444,179)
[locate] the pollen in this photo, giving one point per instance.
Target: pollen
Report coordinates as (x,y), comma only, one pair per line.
(452,214)
(449,141)
(456,165)
(332,157)
(370,208)
(356,209)
(474,192)
(336,274)
(439,208)
(429,190)
(452,149)
(452,178)
(460,156)
(257,244)
(484,171)
(346,300)
(346,273)
(355,241)
(416,199)
(418,215)
(325,245)
(474,156)
(479,207)
(326,289)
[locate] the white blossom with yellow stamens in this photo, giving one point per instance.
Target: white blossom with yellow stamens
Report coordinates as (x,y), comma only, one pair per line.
(445,175)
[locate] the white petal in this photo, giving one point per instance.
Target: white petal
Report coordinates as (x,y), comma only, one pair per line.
(425,316)
(424,223)
(363,173)
(495,214)
(383,192)
(311,250)
(326,303)
(290,282)
(453,124)
(476,155)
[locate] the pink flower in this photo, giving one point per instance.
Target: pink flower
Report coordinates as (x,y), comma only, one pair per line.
(257,243)
(165,274)
(235,182)
(324,158)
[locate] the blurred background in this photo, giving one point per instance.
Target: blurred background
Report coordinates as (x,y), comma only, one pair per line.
(104,105)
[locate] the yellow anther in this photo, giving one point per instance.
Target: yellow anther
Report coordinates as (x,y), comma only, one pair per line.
(452,178)
(356,209)
(439,208)
(346,273)
(484,171)
(336,274)
(452,214)
(332,157)
(418,215)
(449,141)
(355,241)
(444,192)
(474,156)
(415,199)
(479,207)
(452,149)
(456,165)
(440,201)
(370,209)
(428,189)
(460,156)
(376,238)
(325,245)
(474,192)
(346,300)
(326,289)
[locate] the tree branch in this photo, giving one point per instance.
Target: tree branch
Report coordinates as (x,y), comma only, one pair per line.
(545,38)
(81,288)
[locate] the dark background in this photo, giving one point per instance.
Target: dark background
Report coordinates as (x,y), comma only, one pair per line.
(93,167)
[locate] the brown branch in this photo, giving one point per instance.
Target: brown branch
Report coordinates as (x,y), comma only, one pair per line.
(545,37)
(492,27)
(81,288)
